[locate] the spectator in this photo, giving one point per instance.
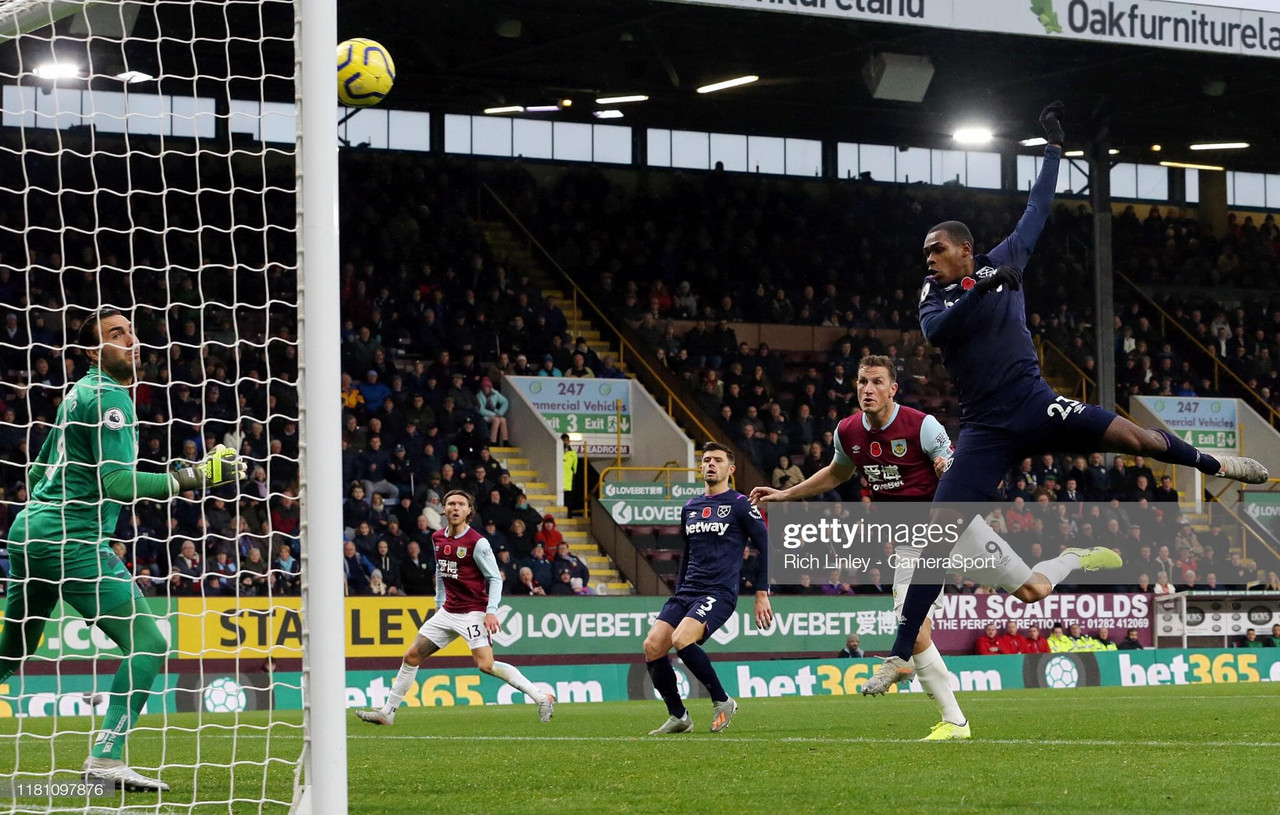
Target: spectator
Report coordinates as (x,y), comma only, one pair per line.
(538,563)
(851,649)
(786,474)
(1011,642)
(288,571)
(1130,641)
(834,585)
(1104,640)
(1188,581)
(1060,642)
(577,568)
(221,576)
(356,568)
(252,575)
(1250,640)
(526,586)
(1275,636)
(750,574)
(520,540)
(1162,584)
(1034,643)
(187,570)
(389,566)
(548,535)
(493,408)
(1165,493)
(875,584)
(417,573)
(988,643)
(563,584)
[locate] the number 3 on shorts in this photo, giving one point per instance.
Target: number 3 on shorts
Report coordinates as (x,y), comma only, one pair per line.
(705,608)
(1062,407)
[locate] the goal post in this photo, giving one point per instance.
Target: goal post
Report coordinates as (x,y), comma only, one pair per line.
(324,644)
(178,160)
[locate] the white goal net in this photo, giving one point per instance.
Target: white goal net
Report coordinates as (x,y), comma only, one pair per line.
(149,163)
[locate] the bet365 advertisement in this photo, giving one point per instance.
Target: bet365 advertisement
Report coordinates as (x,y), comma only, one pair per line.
(40,696)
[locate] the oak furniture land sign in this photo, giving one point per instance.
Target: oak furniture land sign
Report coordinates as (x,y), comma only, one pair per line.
(1203,422)
(584,407)
(1148,23)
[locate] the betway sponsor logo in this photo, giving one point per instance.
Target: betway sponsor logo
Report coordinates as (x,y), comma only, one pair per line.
(805,681)
(718,527)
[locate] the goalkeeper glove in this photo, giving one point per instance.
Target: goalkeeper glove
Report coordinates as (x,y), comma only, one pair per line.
(1051,121)
(221,466)
(1004,276)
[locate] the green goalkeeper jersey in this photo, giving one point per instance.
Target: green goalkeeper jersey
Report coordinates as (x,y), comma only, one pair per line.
(95,435)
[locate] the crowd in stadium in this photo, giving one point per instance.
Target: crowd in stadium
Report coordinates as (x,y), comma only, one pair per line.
(431,322)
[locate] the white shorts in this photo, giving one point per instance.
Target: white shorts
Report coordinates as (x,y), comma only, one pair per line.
(445,626)
(902,580)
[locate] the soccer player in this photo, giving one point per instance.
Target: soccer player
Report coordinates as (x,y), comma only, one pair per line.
(468,593)
(59,548)
(901,452)
(715,527)
(972,309)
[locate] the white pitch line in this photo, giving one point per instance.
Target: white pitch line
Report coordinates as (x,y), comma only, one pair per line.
(825,740)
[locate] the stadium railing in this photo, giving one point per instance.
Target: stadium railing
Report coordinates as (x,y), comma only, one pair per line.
(659,381)
(630,560)
(1221,372)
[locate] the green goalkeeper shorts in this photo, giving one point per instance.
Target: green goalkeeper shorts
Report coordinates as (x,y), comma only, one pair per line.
(89,578)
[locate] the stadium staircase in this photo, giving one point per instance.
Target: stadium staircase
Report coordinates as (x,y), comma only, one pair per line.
(604,575)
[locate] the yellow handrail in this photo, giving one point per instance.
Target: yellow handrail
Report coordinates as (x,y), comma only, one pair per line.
(1218,366)
(623,344)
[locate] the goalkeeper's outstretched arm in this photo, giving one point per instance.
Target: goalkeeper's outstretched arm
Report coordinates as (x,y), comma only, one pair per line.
(222,466)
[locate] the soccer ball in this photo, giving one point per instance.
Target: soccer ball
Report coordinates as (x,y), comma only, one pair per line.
(1061,672)
(366,73)
(224,695)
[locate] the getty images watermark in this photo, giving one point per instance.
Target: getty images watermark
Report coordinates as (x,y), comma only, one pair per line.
(842,546)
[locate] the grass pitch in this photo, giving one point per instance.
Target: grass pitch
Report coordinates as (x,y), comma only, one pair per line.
(1190,749)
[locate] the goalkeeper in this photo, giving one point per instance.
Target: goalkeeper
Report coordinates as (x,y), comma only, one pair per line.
(59,547)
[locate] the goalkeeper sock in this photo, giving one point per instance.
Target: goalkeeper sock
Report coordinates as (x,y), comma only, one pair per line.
(1057,569)
(698,663)
(936,681)
(400,687)
(140,638)
(1179,452)
(666,684)
(512,676)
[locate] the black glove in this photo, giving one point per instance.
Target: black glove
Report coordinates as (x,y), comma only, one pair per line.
(1051,121)
(1004,276)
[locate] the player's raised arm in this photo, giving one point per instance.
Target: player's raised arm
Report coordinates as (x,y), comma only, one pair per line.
(936,444)
(1016,249)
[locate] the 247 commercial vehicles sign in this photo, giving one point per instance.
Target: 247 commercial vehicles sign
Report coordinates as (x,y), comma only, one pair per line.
(589,407)
(1207,423)
(1149,23)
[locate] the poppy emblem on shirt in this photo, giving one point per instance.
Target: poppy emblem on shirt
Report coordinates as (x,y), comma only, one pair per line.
(447,549)
(875,448)
(462,551)
(706,512)
(899,447)
(723,510)
(968,283)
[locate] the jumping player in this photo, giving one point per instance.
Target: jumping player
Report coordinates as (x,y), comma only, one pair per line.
(468,593)
(972,309)
(715,527)
(901,452)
